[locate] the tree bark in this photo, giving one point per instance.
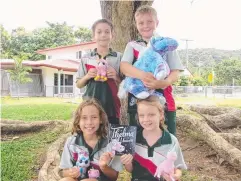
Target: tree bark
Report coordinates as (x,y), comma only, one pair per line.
(232,138)
(222,117)
(210,110)
(123,112)
(50,168)
(225,121)
(14,127)
(215,141)
(121,14)
(213,110)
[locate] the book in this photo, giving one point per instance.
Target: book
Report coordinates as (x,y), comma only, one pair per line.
(122,139)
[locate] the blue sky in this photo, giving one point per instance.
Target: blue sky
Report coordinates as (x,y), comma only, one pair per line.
(209,23)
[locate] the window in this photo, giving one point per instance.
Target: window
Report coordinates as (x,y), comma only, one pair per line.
(78,54)
(66,83)
(49,57)
(65,79)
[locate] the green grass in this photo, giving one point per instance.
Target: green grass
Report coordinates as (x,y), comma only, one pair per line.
(20,157)
(37,109)
(42,112)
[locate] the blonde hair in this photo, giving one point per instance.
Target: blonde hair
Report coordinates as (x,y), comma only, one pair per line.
(146,9)
(153,101)
(102,131)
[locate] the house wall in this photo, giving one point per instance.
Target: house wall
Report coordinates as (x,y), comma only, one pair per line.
(48,81)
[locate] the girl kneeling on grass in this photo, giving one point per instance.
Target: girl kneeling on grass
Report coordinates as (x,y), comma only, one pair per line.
(87,147)
(153,143)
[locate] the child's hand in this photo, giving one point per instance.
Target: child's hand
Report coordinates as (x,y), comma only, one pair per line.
(152,83)
(111,73)
(162,84)
(147,76)
(74,172)
(177,175)
(149,80)
(91,73)
(105,159)
(126,159)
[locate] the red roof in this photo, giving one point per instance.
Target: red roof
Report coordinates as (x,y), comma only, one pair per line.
(63,47)
(65,65)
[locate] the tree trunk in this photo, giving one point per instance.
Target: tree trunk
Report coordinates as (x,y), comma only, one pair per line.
(121,13)
(210,110)
(225,121)
(12,127)
(49,170)
(232,138)
(215,141)
(222,117)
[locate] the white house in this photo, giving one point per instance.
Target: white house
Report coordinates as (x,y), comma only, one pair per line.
(51,77)
(73,52)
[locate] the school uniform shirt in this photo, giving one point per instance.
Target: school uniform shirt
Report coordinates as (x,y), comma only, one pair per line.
(67,160)
(171,57)
(147,158)
(104,92)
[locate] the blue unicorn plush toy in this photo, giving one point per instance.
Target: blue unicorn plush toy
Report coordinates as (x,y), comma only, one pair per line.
(151,59)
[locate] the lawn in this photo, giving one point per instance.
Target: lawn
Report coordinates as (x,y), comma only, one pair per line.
(21,158)
(37,109)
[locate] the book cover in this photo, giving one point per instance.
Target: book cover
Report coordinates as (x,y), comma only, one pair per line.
(122,139)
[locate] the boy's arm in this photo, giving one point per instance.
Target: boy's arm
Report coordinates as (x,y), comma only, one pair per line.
(161,84)
(126,63)
(83,75)
(172,78)
(175,66)
(82,82)
(130,71)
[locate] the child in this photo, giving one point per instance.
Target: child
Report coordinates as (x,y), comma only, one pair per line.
(103,91)
(146,23)
(153,143)
(89,137)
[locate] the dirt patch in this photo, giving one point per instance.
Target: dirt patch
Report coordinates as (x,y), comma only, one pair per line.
(204,162)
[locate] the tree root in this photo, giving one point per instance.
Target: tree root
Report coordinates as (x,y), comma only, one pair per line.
(227,151)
